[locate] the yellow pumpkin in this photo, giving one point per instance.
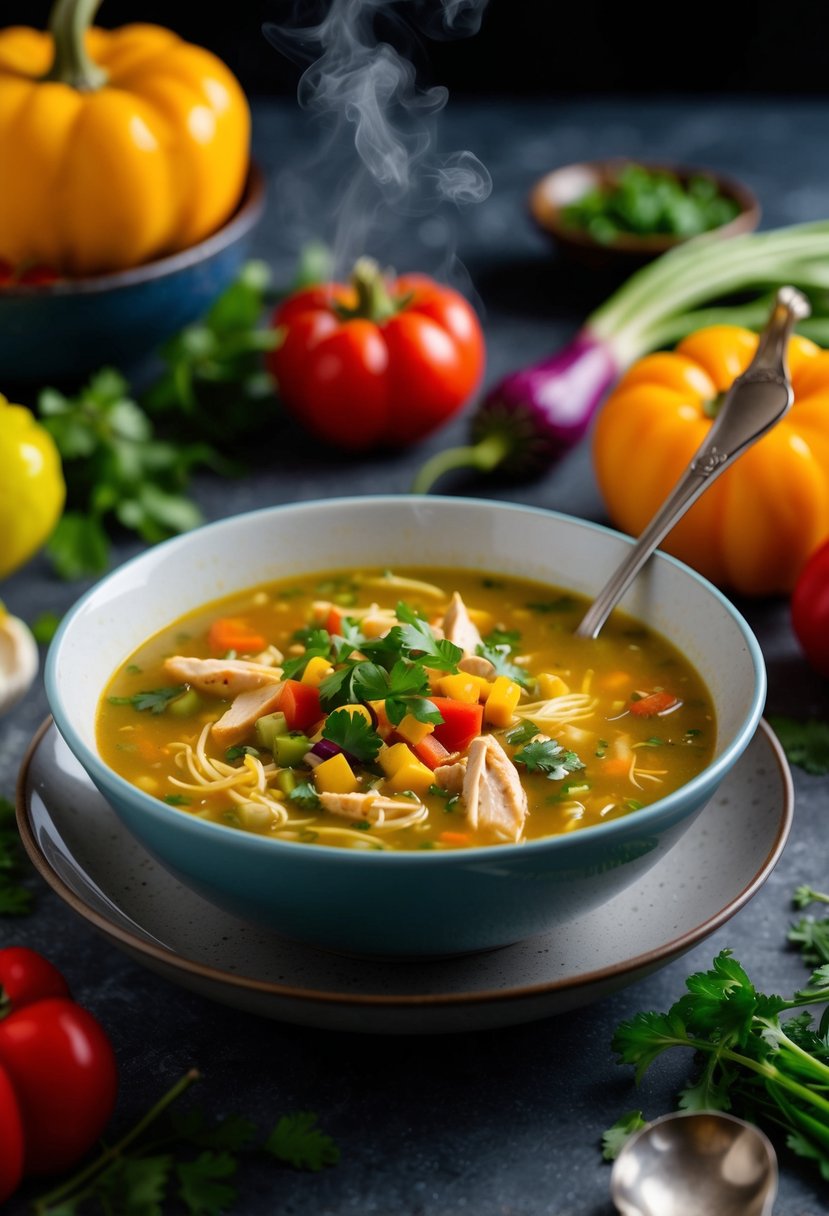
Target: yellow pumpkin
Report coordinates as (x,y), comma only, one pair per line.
(117,146)
(754,528)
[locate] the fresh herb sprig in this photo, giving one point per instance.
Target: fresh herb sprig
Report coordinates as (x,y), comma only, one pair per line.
(749,1058)
(154,700)
(548,757)
(806,743)
(15,898)
(354,734)
(173,1160)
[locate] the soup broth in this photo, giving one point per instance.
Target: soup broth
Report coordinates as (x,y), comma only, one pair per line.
(406,709)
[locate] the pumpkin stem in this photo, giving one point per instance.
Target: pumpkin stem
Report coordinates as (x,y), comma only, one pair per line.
(72,65)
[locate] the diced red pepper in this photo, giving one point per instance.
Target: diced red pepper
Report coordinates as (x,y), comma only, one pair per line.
(654,703)
(334,620)
(461,723)
(300,703)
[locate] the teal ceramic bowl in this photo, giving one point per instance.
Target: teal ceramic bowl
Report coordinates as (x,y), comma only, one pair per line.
(383,903)
(62,332)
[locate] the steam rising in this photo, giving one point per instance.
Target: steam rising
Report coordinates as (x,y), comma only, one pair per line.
(379,163)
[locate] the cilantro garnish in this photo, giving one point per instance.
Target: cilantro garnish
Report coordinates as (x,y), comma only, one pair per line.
(615,1138)
(176,800)
(305,795)
(156,700)
(806,743)
(502,637)
(317,645)
(522,733)
(417,640)
(171,1161)
(354,734)
(238,751)
(298,1141)
(403,689)
(548,757)
(498,656)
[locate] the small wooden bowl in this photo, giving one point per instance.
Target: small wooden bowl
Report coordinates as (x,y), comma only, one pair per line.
(628,251)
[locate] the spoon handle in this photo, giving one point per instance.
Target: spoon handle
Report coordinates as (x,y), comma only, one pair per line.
(754,403)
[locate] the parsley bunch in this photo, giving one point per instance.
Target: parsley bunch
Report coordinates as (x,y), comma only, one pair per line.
(749,1059)
(183,1161)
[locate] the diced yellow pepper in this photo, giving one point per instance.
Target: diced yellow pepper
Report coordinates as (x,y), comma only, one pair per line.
(334,776)
(550,686)
(460,687)
(317,668)
(412,775)
(412,730)
(390,758)
(501,702)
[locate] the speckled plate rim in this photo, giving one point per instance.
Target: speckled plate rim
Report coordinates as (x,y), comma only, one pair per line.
(638,965)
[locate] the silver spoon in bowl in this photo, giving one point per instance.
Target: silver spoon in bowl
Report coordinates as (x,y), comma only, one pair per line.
(696,1163)
(754,403)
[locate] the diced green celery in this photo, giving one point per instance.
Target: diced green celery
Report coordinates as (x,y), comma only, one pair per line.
(187,704)
(268,728)
(290,749)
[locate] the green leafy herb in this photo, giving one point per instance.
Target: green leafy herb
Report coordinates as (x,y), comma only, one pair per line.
(193,1171)
(176,800)
(548,757)
(304,795)
(522,733)
(805,743)
(615,1138)
(403,689)
(156,700)
(116,468)
(15,898)
(45,626)
(298,1141)
(749,1059)
(498,656)
(417,640)
(809,934)
(317,645)
(503,637)
(562,603)
(354,734)
(238,751)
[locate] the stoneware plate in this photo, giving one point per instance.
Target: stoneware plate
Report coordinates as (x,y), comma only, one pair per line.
(93,863)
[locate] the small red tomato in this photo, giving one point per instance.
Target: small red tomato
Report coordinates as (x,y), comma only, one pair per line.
(378,364)
(810,609)
(11,1139)
(62,1069)
(26,976)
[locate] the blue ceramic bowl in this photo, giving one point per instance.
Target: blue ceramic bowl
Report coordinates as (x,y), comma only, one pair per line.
(383,903)
(63,331)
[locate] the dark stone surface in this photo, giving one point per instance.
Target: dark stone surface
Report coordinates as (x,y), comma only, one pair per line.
(502,1123)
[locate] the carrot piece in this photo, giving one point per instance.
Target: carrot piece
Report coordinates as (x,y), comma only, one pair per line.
(615,681)
(300,703)
(615,766)
(229,633)
(653,704)
(454,837)
(431,752)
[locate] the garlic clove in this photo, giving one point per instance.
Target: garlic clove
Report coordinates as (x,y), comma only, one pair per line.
(19,660)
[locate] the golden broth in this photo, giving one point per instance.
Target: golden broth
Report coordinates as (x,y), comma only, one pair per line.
(584,695)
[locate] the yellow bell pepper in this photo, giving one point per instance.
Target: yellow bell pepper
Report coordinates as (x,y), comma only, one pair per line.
(123,145)
(754,528)
(32,489)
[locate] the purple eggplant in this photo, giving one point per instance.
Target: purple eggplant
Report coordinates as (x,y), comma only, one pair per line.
(533,416)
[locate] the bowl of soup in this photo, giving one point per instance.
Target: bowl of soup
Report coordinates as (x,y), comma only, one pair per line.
(367,723)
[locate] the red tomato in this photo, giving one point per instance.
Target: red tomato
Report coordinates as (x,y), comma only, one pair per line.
(810,609)
(300,703)
(461,723)
(11,1139)
(654,704)
(26,976)
(380,364)
(62,1069)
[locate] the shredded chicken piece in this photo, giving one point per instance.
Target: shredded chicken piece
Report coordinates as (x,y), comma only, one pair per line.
(458,627)
(238,720)
(477,665)
(490,788)
(223,678)
(380,811)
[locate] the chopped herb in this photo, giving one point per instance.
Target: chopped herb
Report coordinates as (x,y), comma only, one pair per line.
(340,591)
(522,733)
(156,700)
(132,669)
(806,743)
(655,742)
(437,791)
(451,803)
(633,804)
(426,844)
(240,750)
(298,1141)
(354,734)
(564,603)
(362,825)
(305,795)
(498,656)
(548,757)
(615,1138)
(417,641)
(176,800)
(317,645)
(502,637)
(308,836)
